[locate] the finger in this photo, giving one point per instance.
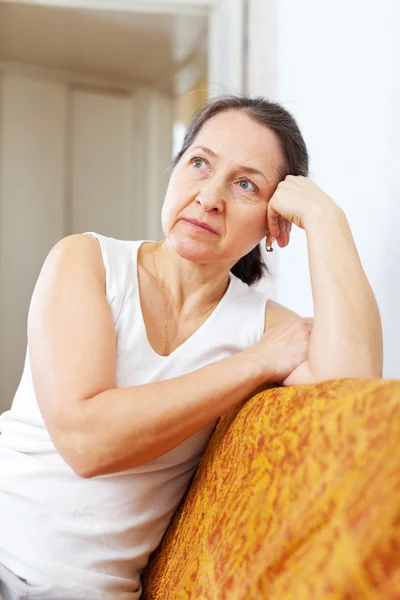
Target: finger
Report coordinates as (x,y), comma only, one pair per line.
(273,221)
(282,237)
(288,227)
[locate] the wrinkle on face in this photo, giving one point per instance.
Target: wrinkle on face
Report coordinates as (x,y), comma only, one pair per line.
(235,147)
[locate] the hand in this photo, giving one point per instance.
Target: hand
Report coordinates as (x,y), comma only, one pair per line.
(282,349)
(293,200)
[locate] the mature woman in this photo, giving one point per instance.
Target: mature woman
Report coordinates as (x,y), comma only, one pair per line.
(136,349)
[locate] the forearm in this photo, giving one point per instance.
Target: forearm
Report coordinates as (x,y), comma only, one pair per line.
(126,427)
(346,340)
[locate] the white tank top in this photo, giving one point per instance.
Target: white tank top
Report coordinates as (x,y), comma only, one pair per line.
(91,538)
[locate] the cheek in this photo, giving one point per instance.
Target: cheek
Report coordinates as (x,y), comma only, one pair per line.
(182,187)
(251,222)
(167,211)
(174,202)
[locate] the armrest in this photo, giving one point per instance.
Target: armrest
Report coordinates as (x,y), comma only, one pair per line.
(296,496)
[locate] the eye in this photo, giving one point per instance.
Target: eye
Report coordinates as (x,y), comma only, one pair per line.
(198,163)
(247,185)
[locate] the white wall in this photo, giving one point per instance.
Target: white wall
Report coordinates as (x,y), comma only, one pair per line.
(153,118)
(101,156)
(226,47)
(334,64)
(121,149)
(71,160)
(31,206)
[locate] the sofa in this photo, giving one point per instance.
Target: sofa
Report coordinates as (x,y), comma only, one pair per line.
(296,497)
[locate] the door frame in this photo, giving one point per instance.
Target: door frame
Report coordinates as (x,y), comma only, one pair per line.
(227,39)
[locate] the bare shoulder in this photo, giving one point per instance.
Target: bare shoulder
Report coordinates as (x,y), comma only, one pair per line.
(276,313)
(73,254)
(84,247)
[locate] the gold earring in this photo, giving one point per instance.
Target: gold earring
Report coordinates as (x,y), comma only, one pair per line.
(268,248)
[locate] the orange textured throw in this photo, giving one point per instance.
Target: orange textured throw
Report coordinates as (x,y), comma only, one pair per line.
(297,497)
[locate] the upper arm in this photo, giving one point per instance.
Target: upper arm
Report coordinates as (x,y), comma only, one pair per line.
(71,334)
(275,314)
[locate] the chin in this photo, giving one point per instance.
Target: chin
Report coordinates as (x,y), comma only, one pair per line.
(193,249)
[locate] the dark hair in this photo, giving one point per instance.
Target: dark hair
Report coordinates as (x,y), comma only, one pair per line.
(250,267)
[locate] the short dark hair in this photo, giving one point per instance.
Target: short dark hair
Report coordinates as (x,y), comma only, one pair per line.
(250,267)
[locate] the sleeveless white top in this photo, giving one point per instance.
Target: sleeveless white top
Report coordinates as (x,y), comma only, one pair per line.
(91,538)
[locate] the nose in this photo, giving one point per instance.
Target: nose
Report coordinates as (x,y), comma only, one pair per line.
(211,196)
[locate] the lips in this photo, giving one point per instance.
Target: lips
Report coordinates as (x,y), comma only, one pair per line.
(201,224)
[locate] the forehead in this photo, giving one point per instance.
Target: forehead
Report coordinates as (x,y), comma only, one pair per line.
(236,137)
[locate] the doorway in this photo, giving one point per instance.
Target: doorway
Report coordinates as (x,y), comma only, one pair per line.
(94,100)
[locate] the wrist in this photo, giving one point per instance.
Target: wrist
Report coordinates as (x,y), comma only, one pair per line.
(327,213)
(256,371)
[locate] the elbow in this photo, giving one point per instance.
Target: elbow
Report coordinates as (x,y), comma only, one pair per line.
(306,374)
(86,461)
(89,462)
(371,371)
(79,443)
(79,455)
(89,452)
(81,466)
(84,470)
(346,372)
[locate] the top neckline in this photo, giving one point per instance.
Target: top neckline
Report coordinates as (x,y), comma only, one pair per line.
(210,317)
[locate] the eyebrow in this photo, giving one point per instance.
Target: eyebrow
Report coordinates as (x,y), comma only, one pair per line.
(239,168)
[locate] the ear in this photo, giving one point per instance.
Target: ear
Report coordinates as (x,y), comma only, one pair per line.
(269,239)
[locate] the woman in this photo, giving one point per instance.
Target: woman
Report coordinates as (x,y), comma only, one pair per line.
(137,348)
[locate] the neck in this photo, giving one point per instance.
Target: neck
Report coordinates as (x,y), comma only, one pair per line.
(192,288)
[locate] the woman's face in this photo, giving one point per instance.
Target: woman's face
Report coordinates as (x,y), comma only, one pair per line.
(224,181)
